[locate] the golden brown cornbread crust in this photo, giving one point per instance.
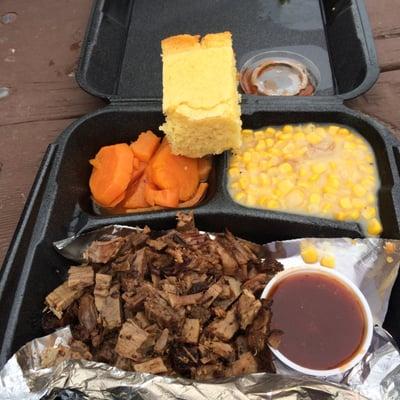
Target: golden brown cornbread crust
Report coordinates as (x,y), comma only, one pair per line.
(178,43)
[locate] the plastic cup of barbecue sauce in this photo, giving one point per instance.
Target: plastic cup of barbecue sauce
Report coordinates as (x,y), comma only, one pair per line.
(325,321)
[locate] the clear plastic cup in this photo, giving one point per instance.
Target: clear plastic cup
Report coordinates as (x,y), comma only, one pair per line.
(279,73)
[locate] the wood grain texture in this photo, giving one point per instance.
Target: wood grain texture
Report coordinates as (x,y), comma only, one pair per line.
(38,55)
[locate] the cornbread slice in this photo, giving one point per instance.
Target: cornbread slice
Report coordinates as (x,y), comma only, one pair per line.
(200,97)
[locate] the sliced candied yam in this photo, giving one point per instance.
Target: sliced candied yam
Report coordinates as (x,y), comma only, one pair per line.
(135,194)
(112,172)
(145,145)
(169,171)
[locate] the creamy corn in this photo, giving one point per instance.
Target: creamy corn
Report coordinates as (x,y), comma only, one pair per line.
(321,170)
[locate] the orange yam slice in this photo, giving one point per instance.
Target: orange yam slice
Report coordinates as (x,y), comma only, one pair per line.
(111,174)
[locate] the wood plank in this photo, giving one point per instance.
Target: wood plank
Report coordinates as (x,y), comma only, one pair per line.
(21,151)
(382,101)
(38,54)
(384,17)
(388,51)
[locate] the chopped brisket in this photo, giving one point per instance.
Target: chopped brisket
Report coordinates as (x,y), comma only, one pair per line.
(158,311)
(153,366)
(111,309)
(245,364)
(101,252)
(133,342)
(185,221)
(61,297)
(225,328)
(172,302)
(80,277)
(191,331)
(162,342)
(258,331)
(247,308)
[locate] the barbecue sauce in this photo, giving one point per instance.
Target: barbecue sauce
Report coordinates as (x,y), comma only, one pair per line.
(322,321)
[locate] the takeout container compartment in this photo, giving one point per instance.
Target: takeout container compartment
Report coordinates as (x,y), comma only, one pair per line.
(124,123)
(121,63)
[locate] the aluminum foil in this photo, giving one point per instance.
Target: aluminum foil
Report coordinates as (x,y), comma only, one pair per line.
(372,264)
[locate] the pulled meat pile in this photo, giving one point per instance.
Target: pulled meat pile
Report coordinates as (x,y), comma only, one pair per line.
(176,303)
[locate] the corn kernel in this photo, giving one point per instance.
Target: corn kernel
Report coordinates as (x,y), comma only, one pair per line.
(320,131)
(314,177)
(265,181)
(315,198)
(287,129)
(332,164)
(251,199)
(264,165)
(239,197)
(286,136)
(333,181)
(299,135)
(275,151)
(374,227)
(270,130)
(303,184)
(345,203)
(318,168)
(326,208)
(252,166)
(333,129)
(285,186)
(340,216)
(354,215)
(349,146)
(313,138)
(273,204)
(246,157)
(369,212)
(370,198)
(269,142)
(262,201)
(244,182)
(247,131)
(286,168)
(259,134)
(303,171)
(358,203)
(359,190)
(260,145)
(343,131)
(309,254)
(328,261)
(254,179)
(234,172)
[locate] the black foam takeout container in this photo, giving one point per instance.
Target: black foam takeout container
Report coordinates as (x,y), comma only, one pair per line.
(121,63)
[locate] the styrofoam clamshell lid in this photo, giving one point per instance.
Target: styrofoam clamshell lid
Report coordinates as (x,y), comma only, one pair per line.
(121,60)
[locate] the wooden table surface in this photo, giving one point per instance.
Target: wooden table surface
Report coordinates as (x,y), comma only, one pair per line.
(39,48)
